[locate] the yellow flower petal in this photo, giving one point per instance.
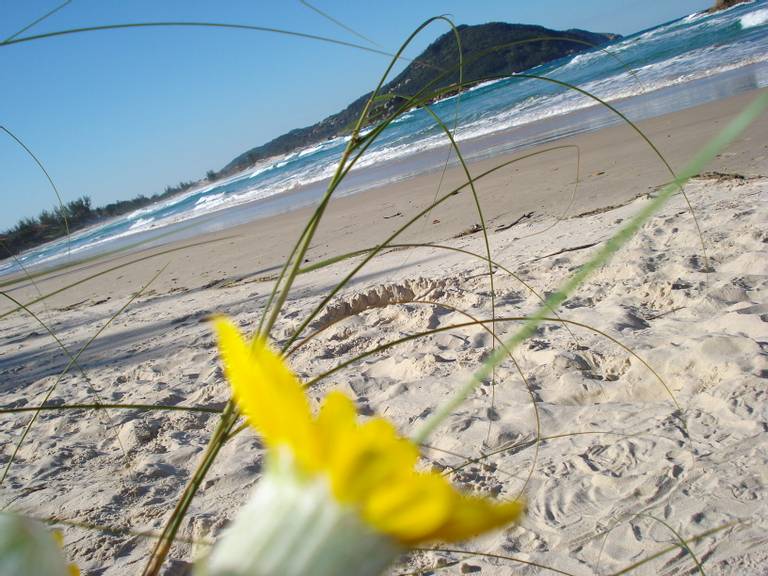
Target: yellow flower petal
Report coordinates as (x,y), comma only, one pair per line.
(371,457)
(472,515)
(268,394)
(409,509)
(336,421)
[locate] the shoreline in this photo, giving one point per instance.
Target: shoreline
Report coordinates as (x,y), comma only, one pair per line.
(515,140)
(615,167)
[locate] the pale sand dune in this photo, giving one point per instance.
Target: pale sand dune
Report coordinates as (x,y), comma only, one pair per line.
(624,454)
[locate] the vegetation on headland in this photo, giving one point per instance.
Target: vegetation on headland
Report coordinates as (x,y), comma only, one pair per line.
(52,224)
(723,4)
(442,54)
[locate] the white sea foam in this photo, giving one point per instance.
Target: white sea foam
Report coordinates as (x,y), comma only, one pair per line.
(695,16)
(205,202)
(753,19)
(141,224)
(505,105)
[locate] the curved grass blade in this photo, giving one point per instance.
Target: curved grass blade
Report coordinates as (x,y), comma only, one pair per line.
(335,259)
(112,269)
(67,353)
(31,154)
(681,541)
(111,406)
(387,345)
(102,255)
(618,240)
(419,100)
(25,271)
(223,25)
(370,255)
(621,572)
(499,557)
(486,241)
(339,23)
(339,174)
(69,365)
(112,530)
(370,137)
(642,134)
(38,20)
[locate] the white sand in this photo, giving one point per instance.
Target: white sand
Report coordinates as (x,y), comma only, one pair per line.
(621,460)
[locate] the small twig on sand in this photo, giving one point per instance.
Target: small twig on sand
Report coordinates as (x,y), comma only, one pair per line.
(564,250)
(508,226)
(660,314)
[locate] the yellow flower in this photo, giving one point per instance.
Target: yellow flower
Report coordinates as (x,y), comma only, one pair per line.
(358,478)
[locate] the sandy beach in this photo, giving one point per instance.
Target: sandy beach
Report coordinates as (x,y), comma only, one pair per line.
(650,394)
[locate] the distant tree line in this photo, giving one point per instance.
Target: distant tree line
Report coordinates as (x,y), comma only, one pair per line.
(51,224)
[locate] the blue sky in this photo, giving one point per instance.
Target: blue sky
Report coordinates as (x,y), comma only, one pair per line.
(120,113)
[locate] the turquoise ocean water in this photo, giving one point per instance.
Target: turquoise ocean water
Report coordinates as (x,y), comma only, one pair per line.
(693,60)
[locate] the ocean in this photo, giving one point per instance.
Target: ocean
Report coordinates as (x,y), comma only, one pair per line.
(696,59)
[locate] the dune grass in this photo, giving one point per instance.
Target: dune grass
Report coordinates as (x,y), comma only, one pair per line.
(502,349)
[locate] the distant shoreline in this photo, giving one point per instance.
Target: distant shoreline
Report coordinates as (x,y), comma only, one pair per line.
(616,166)
(423,163)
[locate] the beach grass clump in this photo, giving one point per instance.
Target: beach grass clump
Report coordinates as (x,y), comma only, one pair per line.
(340,494)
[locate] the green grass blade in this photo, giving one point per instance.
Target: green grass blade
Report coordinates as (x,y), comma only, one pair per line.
(110,406)
(112,269)
(339,23)
(31,276)
(341,171)
(614,110)
(342,257)
(38,20)
(681,541)
(368,257)
(47,175)
(701,159)
(221,25)
(68,366)
(500,557)
(693,540)
(111,530)
(66,351)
